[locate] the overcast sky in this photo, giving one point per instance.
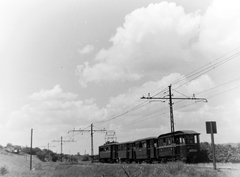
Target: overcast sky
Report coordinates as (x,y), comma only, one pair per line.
(67,64)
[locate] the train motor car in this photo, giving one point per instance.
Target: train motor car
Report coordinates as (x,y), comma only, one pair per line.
(144,150)
(108,153)
(179,145)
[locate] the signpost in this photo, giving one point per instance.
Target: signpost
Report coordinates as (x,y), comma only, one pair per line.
(211,128)
(31,152)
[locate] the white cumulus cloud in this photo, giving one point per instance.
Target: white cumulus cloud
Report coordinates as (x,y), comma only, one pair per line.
(86,49)
(152,39)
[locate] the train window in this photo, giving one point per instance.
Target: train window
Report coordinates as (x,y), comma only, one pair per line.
(164,141)
(148,145)
(136,145)
(155,145)
(169,141)
(140,145)
(196,138)
(176,140)
(186,139)
(144,144)
(160,142)
(182,140)
(191,139)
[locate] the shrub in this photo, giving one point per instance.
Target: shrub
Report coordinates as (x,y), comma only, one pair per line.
(41,155)
(4,170)
(86,158)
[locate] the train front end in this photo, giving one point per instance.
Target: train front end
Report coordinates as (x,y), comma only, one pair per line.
(180,145)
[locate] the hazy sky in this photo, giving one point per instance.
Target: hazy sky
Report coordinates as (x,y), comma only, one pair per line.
(67,64)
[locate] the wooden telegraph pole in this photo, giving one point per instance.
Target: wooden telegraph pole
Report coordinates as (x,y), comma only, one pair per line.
(170,98)
(62,141)
(91,131)
(31,150)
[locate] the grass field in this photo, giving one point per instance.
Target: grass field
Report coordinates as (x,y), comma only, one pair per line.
(18,166)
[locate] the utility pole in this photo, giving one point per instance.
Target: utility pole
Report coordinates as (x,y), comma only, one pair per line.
(171,110)
(47,147)
(62,141)
(170,98)
(31,149)
(91,131)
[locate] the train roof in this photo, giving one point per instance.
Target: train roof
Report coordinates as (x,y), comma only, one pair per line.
(181,132)
(148,138)
(128,142)
(109,144)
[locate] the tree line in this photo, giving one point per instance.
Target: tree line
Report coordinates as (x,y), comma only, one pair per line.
(45,154)
(225,153)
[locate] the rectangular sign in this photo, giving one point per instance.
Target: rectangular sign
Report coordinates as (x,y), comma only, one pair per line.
(211,127)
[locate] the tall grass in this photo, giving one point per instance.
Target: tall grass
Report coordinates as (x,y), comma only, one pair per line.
(84,169)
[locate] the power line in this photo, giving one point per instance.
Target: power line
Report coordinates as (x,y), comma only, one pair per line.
(170,98)
(117,116)
(91,131)
(150,116)
(61,142)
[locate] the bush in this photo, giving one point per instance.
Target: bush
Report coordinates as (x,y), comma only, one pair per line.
(41,155)
(4,170)
(86,158)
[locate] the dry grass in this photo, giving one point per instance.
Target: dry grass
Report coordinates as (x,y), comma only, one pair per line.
(18,166)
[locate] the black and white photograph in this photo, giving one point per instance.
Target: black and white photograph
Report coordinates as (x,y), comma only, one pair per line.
(119,88)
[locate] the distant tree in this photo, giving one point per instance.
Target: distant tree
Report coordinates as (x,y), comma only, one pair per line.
(204,155)
(74,159)
(36,150)
(86,158)
(56,157)
(9,145)
(26,150)
(41,155)
(223,153)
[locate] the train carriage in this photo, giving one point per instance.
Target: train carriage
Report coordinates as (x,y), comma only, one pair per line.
(125,152)
(145,149)
(179,145)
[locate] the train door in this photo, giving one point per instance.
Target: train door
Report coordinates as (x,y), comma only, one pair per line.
(148,148)
(177,146)
(134,151)
(114,152)
(153,145)
(183,150)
